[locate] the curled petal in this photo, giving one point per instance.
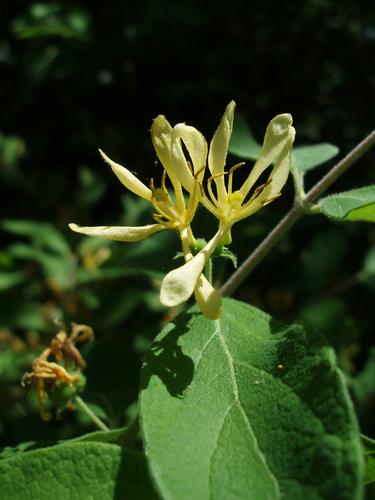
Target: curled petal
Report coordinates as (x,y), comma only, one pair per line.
(277,179)
(219,149)
(280,171)
(207,298)
(178,285)
(118,233)
(279,133)
(196,145)
(128,179)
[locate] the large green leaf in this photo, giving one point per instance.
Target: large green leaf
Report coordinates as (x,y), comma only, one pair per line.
(246,408)
(306,158)
(356,204)
(76,471)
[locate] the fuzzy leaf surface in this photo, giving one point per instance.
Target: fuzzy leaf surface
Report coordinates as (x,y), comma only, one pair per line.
(244,407)
(306,158)
(75,472)
(354,205)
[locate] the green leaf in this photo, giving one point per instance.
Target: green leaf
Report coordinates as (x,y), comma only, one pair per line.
(369,448)
(112,436)
(11,279)
(76,471)
(245,408)
(356,204)
(242,142)
(306,158)
(101,436)
(42,234)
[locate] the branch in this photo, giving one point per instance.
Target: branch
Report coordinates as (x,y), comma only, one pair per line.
(294,214)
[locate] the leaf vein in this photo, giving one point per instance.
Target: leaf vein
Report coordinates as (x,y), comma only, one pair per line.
(238,402)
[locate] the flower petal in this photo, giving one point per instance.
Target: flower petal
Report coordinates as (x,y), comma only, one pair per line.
(196,145)
(178,285)
(161,135)
(219,149)
(279,173)
(118,233)
(278,178)
(278,133)
(180,163)
(207,298)
(128,179)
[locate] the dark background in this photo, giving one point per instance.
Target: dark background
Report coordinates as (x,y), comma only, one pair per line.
(76,76)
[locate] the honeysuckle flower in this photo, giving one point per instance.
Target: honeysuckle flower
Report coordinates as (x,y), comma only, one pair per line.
(170,213)
(228,205)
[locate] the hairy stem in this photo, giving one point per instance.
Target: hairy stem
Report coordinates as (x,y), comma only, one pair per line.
(294,214)
(83,406)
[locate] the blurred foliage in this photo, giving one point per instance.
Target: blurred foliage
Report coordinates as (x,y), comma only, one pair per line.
(78,76)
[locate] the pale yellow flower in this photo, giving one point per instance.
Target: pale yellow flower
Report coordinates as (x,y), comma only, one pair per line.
(228,205)
(170,213)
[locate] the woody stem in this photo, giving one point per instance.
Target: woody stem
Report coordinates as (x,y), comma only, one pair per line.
(294,214)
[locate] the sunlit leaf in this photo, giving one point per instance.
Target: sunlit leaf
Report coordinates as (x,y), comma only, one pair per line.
(246,408)
(354,205)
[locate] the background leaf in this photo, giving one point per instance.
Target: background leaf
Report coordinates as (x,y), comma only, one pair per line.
(76,471)
(244,145)
(242,142)
(306,158)
(249,409)
(356,204)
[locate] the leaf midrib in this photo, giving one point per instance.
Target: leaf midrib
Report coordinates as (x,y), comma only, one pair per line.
(237,401)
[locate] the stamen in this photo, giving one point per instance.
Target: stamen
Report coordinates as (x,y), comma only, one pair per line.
(161,211)
(211,193)
(209,188)
(260,188)
(199,171)
(271,198)
(192,203)
(231,171)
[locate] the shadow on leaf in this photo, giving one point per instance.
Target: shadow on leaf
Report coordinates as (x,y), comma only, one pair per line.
(167,361)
